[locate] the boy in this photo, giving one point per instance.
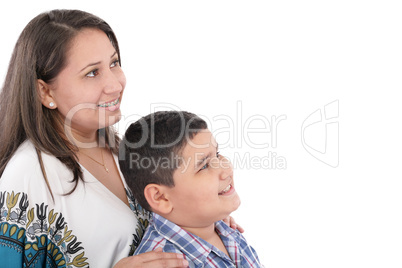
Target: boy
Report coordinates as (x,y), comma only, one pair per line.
(171,163)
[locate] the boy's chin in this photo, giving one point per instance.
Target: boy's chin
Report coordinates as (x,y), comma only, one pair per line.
(232,209)
(236,205)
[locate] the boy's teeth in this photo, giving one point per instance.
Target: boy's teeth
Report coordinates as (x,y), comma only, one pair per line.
(226,189)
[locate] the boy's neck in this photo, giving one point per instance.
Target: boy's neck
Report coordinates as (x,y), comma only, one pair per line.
(209,234)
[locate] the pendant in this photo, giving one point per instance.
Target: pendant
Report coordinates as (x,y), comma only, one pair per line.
(107,170)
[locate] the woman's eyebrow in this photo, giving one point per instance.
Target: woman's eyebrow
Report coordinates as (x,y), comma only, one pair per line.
(96,63)
(89,65)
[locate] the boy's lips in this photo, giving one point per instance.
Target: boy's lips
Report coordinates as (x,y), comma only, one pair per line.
(228,190)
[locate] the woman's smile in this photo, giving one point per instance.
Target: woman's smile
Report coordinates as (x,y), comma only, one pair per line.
(111,106)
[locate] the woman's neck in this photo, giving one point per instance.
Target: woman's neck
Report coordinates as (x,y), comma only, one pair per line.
(82,139)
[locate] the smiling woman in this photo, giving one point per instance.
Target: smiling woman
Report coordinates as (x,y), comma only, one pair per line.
(63,201)
(85,92)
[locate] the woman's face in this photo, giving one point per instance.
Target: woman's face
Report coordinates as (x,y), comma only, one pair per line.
(88,91)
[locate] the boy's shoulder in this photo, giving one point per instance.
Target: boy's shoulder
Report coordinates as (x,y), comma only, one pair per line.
(172,238)
(162,233)
(158,235)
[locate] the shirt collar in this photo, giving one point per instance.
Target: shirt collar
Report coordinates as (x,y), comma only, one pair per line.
(195,248)
(224,229)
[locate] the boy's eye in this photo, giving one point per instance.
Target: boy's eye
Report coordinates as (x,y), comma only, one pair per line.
(93,73)
(205,166)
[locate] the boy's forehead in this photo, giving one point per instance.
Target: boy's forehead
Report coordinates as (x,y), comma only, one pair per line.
(202,139)
(200,142)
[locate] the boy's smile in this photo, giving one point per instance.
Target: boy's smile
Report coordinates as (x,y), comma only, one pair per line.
(228,190)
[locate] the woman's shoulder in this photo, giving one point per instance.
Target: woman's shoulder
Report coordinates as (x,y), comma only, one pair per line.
(24,160)
(24,168)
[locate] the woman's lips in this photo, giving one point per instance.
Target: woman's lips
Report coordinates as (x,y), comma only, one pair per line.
(111,106)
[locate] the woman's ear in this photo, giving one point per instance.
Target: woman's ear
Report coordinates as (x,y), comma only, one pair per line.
(45,94)
(157,199)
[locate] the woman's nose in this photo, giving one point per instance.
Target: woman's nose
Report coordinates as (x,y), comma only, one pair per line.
(114,82)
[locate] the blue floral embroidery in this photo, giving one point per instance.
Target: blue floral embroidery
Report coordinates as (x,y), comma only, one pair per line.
(36,237)
(142,216)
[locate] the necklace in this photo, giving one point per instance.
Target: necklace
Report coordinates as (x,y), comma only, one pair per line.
(103,160)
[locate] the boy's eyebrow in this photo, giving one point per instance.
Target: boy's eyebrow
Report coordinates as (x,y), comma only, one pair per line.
(201,161)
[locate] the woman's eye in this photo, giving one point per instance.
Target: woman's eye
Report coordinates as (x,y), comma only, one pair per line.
(114,64)
(93,73)
(218,154)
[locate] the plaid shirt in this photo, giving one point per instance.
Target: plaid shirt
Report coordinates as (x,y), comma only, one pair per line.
(199,253)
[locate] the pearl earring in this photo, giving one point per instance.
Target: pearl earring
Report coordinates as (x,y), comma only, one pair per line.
(51,104)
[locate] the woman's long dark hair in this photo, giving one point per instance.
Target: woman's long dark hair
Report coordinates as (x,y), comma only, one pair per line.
(40,53)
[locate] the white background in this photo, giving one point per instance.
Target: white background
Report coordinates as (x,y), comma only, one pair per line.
(252,60)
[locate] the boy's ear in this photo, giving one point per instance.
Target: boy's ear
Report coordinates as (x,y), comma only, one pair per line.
(158,199)
(45,94)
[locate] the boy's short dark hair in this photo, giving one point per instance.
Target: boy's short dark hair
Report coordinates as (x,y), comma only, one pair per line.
(151,147)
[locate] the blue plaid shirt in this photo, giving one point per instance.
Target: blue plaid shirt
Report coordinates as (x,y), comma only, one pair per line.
(199,253)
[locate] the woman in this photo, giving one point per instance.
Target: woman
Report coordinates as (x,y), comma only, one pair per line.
(63,201)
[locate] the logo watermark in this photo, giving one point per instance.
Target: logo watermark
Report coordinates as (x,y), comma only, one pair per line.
(256,132)
(320,134)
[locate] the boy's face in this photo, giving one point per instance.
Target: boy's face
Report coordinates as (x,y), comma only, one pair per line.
(204,188)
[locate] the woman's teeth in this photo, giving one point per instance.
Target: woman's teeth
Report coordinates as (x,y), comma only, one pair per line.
(226,189)
(108,104)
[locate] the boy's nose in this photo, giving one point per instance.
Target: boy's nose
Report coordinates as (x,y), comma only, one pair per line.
(226,169)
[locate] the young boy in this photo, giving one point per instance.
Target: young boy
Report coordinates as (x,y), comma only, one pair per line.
(171,163)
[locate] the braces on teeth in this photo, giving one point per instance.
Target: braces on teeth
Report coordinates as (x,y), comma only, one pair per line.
(109,104)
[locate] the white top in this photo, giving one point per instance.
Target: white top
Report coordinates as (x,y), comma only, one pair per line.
(91,226)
